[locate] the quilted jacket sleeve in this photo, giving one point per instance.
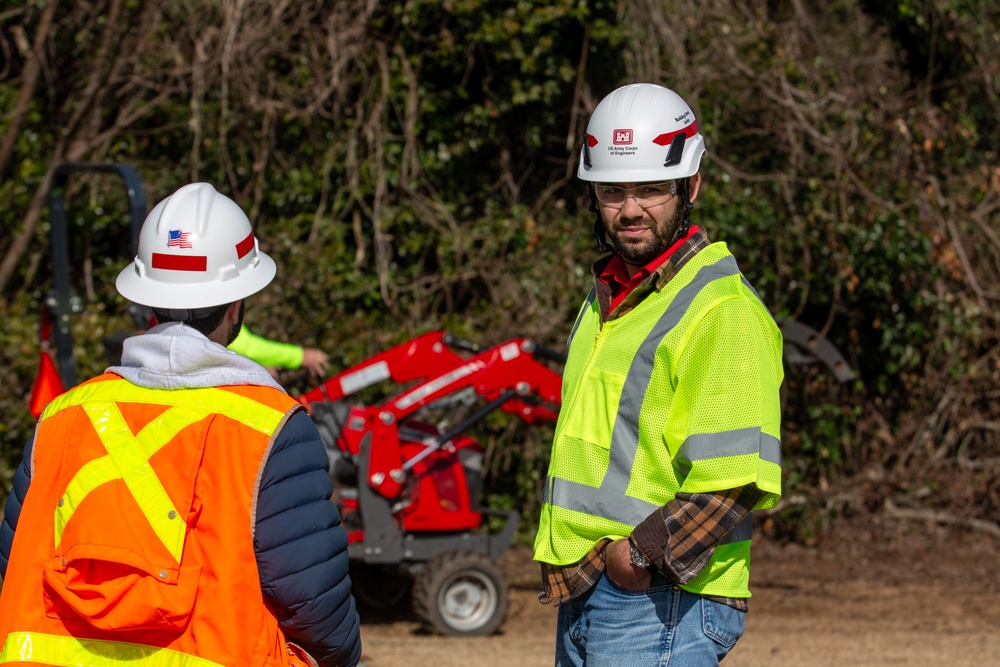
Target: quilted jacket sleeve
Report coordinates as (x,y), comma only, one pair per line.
(302,549)
(12,510)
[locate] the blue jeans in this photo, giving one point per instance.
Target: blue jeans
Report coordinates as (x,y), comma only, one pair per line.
(661,625)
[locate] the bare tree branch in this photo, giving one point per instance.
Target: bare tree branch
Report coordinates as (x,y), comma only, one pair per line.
(29,80)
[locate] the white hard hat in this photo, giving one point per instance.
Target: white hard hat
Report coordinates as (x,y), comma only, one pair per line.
(641,132)
(196,250)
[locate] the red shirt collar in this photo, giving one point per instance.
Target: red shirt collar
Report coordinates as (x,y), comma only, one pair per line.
(615,274)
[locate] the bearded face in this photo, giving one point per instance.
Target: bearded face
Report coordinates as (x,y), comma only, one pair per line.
(640,232)
(640,239)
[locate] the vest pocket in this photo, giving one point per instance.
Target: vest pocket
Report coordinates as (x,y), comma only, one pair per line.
(595,407)
(583,443)
(112,595)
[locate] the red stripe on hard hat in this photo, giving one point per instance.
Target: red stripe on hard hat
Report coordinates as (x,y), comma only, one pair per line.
(591,140)
(244,246)
(180,262)
(666,139)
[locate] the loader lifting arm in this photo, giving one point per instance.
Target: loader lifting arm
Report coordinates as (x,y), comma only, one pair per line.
(509,376)
(62,301)
(415,359)
(56,375)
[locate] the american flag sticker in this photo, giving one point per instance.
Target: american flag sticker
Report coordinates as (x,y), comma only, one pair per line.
(179,239)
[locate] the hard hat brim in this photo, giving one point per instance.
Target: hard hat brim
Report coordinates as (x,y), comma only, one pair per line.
(156,294)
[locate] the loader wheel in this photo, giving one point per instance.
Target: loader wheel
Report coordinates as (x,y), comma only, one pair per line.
(379,592)
(460,593)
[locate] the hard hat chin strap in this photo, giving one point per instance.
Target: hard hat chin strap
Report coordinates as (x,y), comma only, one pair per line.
(599,232)
(684,194)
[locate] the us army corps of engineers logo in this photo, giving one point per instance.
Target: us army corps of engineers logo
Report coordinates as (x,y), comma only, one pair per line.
(621,143)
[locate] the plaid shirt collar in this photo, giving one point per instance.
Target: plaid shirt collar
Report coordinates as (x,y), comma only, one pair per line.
(656,280)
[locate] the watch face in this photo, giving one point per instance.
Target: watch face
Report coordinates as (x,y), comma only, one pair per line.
(637,558)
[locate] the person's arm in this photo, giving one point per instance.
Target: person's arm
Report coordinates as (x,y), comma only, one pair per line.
(315,361)
(267,353)
(301,548)
(726,412)
(733,358)
(12,510)
(272,354)
(679,538)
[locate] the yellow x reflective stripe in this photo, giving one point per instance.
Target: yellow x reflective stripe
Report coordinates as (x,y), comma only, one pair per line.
(128,460)
(70,651)
(128,456)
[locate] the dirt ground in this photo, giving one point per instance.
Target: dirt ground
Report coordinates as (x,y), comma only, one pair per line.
(865,597)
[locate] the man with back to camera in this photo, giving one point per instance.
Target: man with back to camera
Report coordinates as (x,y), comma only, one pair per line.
(669,432)
(178,510)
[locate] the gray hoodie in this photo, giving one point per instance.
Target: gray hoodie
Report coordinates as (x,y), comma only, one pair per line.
(175,356)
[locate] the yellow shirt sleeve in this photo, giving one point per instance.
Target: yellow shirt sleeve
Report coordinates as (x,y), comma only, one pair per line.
(266,352)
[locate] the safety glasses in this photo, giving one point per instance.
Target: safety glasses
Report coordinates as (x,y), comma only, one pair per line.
(646,195)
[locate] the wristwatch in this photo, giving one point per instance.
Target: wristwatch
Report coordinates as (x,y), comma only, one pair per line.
(636,557)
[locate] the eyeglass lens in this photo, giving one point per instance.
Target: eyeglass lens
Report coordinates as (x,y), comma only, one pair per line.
(645,194)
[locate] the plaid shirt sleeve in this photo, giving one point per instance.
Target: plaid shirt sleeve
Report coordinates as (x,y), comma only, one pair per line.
(680,537)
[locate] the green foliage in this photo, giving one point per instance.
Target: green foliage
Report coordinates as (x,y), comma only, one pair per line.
(410,167)
(19,361)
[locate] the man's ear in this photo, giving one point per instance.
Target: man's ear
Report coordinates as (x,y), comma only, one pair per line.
(233,312)
(695,186)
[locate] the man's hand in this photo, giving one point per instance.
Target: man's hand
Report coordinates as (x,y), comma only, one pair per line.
(315,361)
(618,565)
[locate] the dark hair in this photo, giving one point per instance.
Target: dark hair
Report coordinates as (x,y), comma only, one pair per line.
(205,320)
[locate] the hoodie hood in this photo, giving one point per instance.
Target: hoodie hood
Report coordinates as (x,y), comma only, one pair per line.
(175,356)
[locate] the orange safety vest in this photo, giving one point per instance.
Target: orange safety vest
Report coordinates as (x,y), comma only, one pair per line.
(135,541)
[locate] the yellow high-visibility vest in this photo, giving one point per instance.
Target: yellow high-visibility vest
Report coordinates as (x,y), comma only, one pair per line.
(678,395)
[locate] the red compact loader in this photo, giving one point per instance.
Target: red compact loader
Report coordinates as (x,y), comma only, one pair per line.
(409,488)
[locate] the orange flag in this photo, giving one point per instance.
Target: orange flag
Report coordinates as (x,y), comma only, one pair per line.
(47,384)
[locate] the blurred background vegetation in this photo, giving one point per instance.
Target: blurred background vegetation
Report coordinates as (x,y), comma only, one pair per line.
(411,166)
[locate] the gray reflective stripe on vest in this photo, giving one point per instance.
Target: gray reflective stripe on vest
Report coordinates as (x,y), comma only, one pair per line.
(748,440)
(579,318)
(609,500)
(628,510)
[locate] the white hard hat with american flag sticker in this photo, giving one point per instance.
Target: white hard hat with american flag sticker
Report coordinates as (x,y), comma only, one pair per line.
(196,250)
